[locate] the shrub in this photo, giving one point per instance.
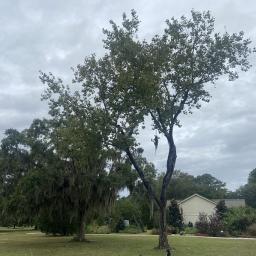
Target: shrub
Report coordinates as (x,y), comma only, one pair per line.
(252,230)
(119,225)
(175,218)
(202,224)
(237,220)
(221,209)
(215,226)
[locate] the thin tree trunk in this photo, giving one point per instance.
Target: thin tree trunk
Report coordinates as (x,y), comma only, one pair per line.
(163,236)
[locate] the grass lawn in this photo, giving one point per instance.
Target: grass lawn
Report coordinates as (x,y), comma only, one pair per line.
(37,244)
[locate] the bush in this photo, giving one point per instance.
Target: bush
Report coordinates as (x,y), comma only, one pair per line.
(215,227)
(221,209)
(174,217)
(252,230)
(211,225)
(238,220)
(119,225)
(202,224)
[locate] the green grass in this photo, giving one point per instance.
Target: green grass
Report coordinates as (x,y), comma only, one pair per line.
(10,229)
(37,244)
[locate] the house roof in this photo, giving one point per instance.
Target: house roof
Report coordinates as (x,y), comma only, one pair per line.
(196,195)
(232,202)
(228,202)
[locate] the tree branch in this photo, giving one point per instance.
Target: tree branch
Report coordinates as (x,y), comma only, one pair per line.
(159,124)
(181,107)
(143,178)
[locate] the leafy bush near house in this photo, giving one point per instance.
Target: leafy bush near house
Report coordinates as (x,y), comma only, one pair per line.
(202,224)
(216,226)
(238,220)
(211,225)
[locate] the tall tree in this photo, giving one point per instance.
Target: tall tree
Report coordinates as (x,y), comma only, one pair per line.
(158,81)
(78,138)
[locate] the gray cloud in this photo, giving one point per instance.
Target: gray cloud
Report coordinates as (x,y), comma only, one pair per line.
(55,35)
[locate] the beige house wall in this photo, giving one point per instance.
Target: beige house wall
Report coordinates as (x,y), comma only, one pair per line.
(195,205)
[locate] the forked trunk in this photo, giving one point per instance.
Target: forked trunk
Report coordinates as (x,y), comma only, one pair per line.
(163,236)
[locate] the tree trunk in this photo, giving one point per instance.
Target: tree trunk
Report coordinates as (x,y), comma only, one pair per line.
(81,227)
(161,203)
(163,237)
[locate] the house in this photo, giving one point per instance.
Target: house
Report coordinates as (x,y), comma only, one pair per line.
(192,206)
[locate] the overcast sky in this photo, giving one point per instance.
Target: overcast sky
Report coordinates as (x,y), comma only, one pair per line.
(220,138)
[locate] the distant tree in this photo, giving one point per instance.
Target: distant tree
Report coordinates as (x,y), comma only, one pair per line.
(210,187)
(183,185)
(158,80)
(248,191)
(126,209)
(252,177)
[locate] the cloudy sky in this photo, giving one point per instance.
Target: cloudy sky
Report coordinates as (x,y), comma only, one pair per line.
(55,35)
